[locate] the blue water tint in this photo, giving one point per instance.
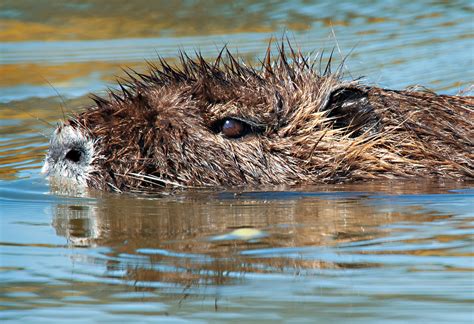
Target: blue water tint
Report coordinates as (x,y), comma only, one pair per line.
(10,13)
(77,88)
(351,253)
(379,281)
(133,49)
(170,254)
(442,203)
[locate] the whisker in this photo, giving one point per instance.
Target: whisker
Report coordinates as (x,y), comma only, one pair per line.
(153,179)
(63,101)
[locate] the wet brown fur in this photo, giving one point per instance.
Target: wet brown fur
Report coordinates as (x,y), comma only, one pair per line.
(309,127)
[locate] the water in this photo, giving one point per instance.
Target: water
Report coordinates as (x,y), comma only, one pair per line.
(399,251)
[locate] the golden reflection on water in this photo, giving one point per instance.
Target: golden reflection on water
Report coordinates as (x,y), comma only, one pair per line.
(93,19)
(62,74)
(122,19)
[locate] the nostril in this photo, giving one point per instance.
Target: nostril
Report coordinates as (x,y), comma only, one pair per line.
(73,155)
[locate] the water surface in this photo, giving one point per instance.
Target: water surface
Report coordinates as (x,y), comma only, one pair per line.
(398,251)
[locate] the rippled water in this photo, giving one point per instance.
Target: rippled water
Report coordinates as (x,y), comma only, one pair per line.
(399,251)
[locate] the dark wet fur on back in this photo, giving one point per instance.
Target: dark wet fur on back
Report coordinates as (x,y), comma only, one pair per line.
(165,128)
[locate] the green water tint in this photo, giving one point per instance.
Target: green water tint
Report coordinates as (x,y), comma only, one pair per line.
(399,251)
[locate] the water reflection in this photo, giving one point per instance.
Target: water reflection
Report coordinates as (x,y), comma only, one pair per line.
(197,239)
(370,251)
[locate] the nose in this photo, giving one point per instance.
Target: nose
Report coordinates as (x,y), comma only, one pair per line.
(73,155)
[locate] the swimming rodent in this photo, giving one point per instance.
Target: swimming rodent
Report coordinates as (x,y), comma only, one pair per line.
(225,123)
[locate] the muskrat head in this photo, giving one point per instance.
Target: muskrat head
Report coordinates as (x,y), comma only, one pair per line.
(70,156)
(204,124)
(226,124)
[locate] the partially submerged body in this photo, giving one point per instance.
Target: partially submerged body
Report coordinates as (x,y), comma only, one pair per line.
(223,123)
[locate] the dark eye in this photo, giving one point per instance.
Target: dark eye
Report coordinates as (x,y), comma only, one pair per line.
(73,155)
(234,128)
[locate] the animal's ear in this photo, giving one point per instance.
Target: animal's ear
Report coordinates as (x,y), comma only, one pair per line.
(350,109)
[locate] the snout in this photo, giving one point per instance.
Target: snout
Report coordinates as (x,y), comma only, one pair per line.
(70,156)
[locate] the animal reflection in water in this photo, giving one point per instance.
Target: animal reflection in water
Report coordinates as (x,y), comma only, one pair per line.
(207,241)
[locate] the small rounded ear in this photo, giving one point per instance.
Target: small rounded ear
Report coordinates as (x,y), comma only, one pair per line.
(351,109)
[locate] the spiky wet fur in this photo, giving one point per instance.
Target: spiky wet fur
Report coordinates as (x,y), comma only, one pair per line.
(158,130)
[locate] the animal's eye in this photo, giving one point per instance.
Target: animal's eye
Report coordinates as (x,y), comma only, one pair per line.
(234,128)
(231,127)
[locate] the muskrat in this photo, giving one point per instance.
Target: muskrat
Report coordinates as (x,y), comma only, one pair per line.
(226,123)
